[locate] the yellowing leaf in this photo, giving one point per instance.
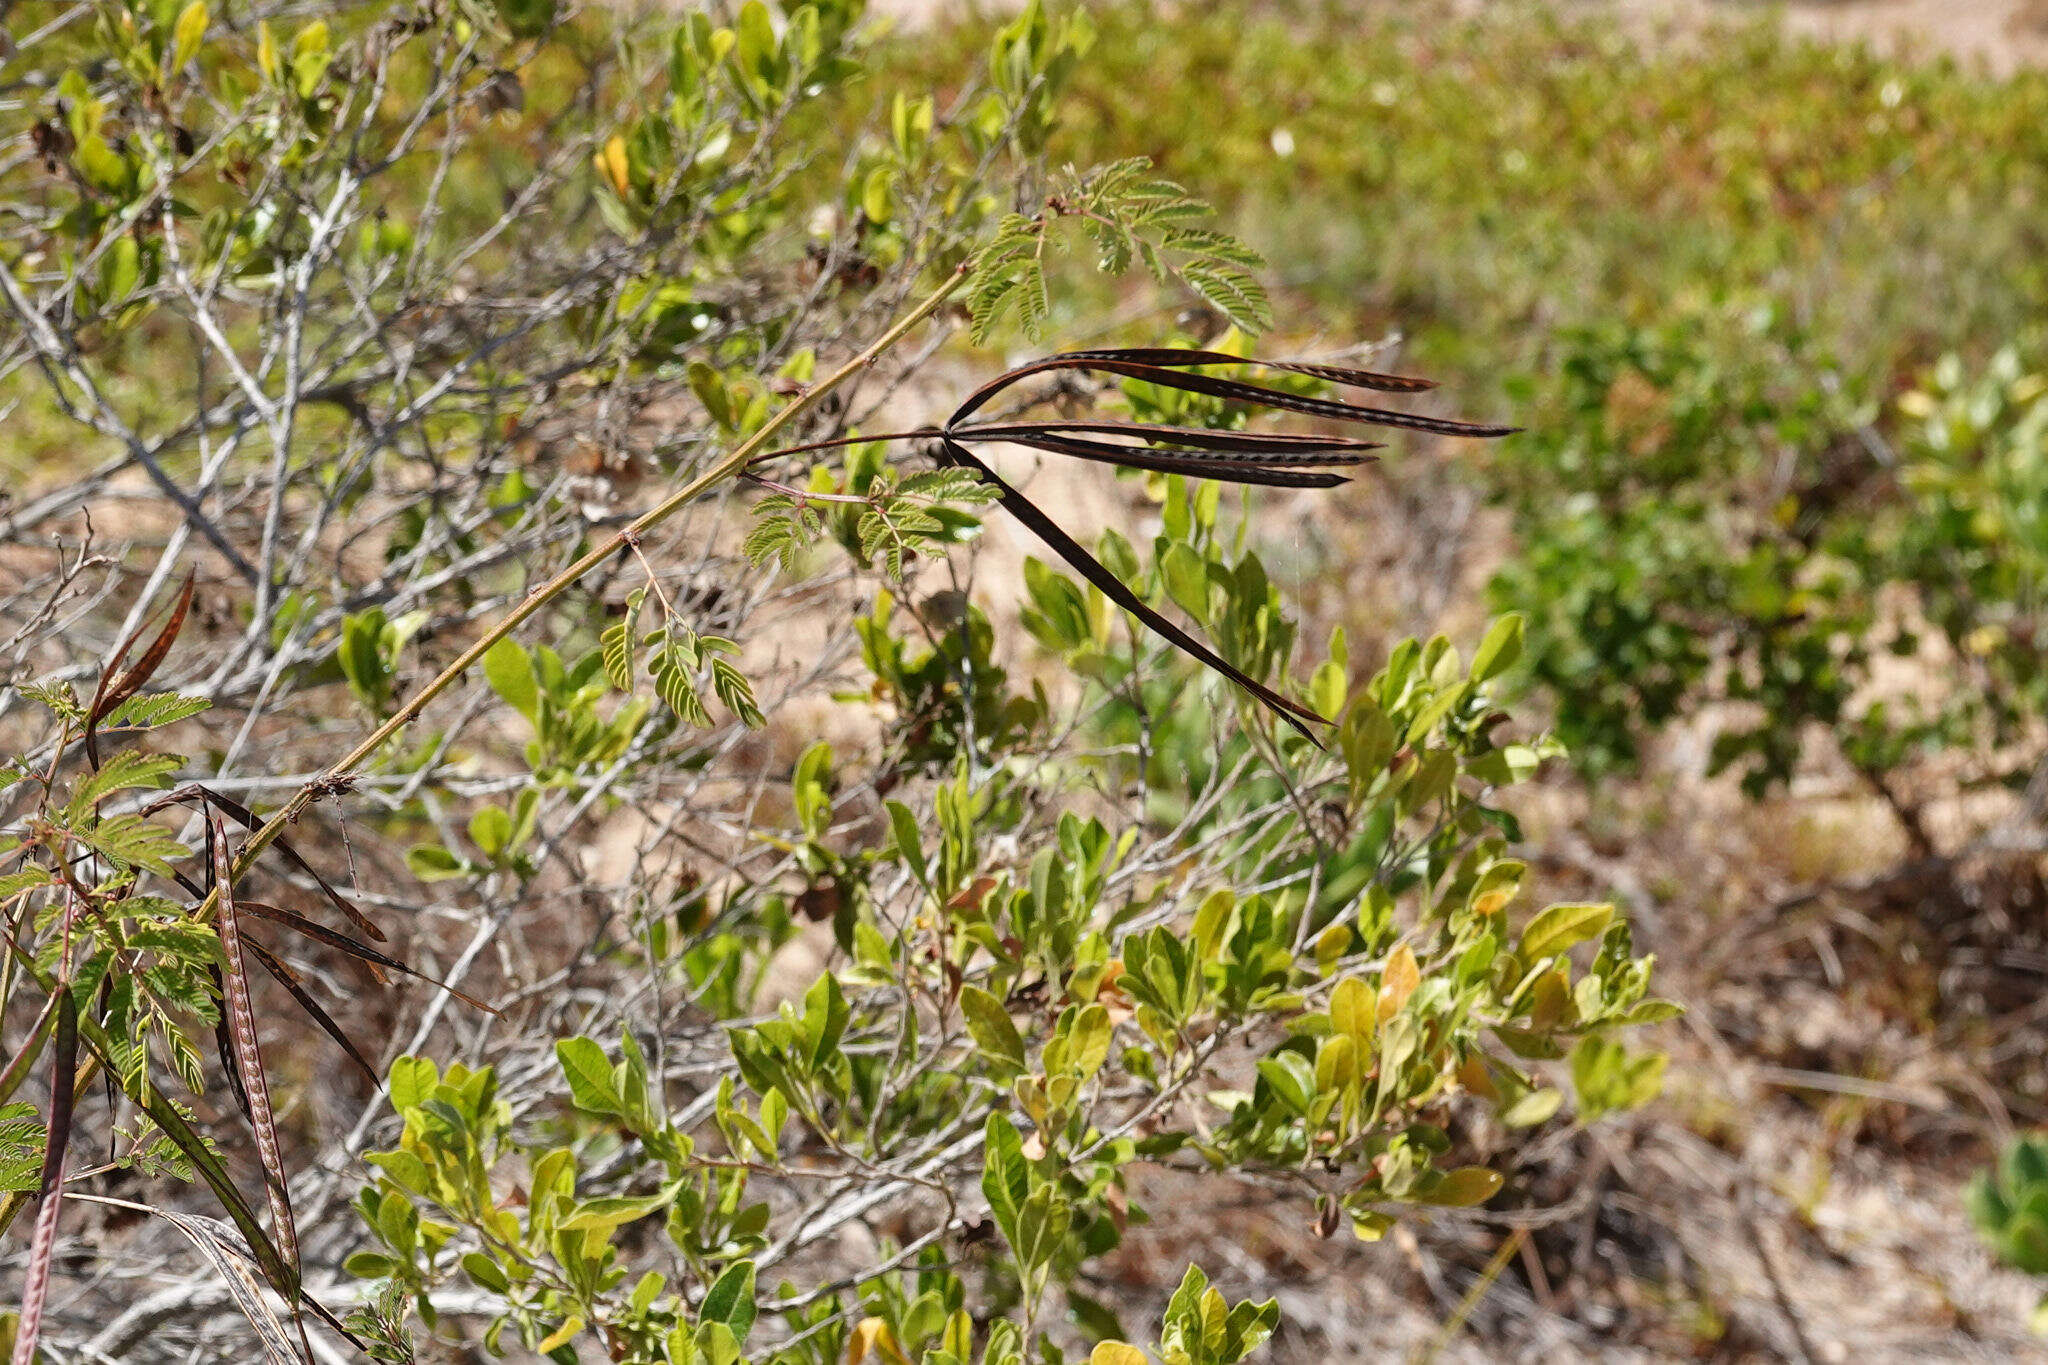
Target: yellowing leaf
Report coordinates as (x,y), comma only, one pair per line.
(1398,981)
(1332,944)
(561,1336)
(1351,1009)
(1559,927)
(187,34)
(1337,1063)
(1092,1029)
(1474,1077)
(615,1211)
(1210,919)
(1533,1108)
(1465,1187)
(1490,901)
(876,200)
(1550,998)
(872,1338)
(1215,1317)
(958,1339)
(1370,1226)
(1115,1353)
(611,164)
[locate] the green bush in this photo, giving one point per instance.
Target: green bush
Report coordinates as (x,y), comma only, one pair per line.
(429,335)
(2009,1204)
(1044,1028)
(1796,558)
(1716,280)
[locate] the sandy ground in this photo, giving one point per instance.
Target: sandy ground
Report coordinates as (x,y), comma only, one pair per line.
(2001,34)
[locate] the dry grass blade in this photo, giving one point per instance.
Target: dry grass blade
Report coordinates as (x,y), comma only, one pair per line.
(362,952)
(117,688)
(224,1046)
(1269,459)
(1203,438)
(246,818)
(237,1271)
(1278,460)
(1456,1322)
(1193,463)
(1233,390)
(57,1141)
(241,1018)
(1070,550)
(1335,374)
(289,979)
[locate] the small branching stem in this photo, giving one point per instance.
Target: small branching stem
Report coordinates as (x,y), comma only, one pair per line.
(805,496)
(922,433)
(727,468)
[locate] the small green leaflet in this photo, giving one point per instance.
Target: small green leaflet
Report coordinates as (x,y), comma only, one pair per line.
(1129,214)
(125,771)
(21,1148)
(131,841)
(1009,275)
(616,643)
(678,653)
(673,665)
(736,692)
(152,709)
(785,530)
(888,530)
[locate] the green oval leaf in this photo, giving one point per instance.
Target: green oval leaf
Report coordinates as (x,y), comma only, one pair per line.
(1559,927)
(991,1026)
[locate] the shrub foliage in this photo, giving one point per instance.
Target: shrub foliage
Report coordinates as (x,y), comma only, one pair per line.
(437,343)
